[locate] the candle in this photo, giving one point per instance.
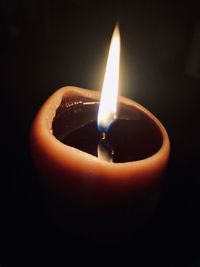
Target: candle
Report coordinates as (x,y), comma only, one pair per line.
(116,163)
(71,165)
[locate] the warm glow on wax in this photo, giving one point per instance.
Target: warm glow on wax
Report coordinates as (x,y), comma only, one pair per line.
(108,103)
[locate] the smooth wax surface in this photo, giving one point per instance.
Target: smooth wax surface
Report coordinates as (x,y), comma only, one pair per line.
(132,136)
(73,168)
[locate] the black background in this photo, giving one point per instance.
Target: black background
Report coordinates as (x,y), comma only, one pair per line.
(49,44)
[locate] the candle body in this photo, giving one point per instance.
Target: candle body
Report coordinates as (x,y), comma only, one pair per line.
(93,185)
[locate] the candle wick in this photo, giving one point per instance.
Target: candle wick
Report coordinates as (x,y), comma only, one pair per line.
(104,150)
(103,135)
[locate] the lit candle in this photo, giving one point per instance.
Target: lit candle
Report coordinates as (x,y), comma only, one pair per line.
(128,154)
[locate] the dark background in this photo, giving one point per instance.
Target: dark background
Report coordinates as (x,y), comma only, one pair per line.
(48,44)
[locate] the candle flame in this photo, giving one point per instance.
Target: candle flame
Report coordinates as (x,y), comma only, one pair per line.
(108,103)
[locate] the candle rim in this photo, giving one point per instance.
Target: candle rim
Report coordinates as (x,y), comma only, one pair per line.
(42,128)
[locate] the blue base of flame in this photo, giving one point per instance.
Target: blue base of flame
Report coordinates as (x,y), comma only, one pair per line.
(102,129)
